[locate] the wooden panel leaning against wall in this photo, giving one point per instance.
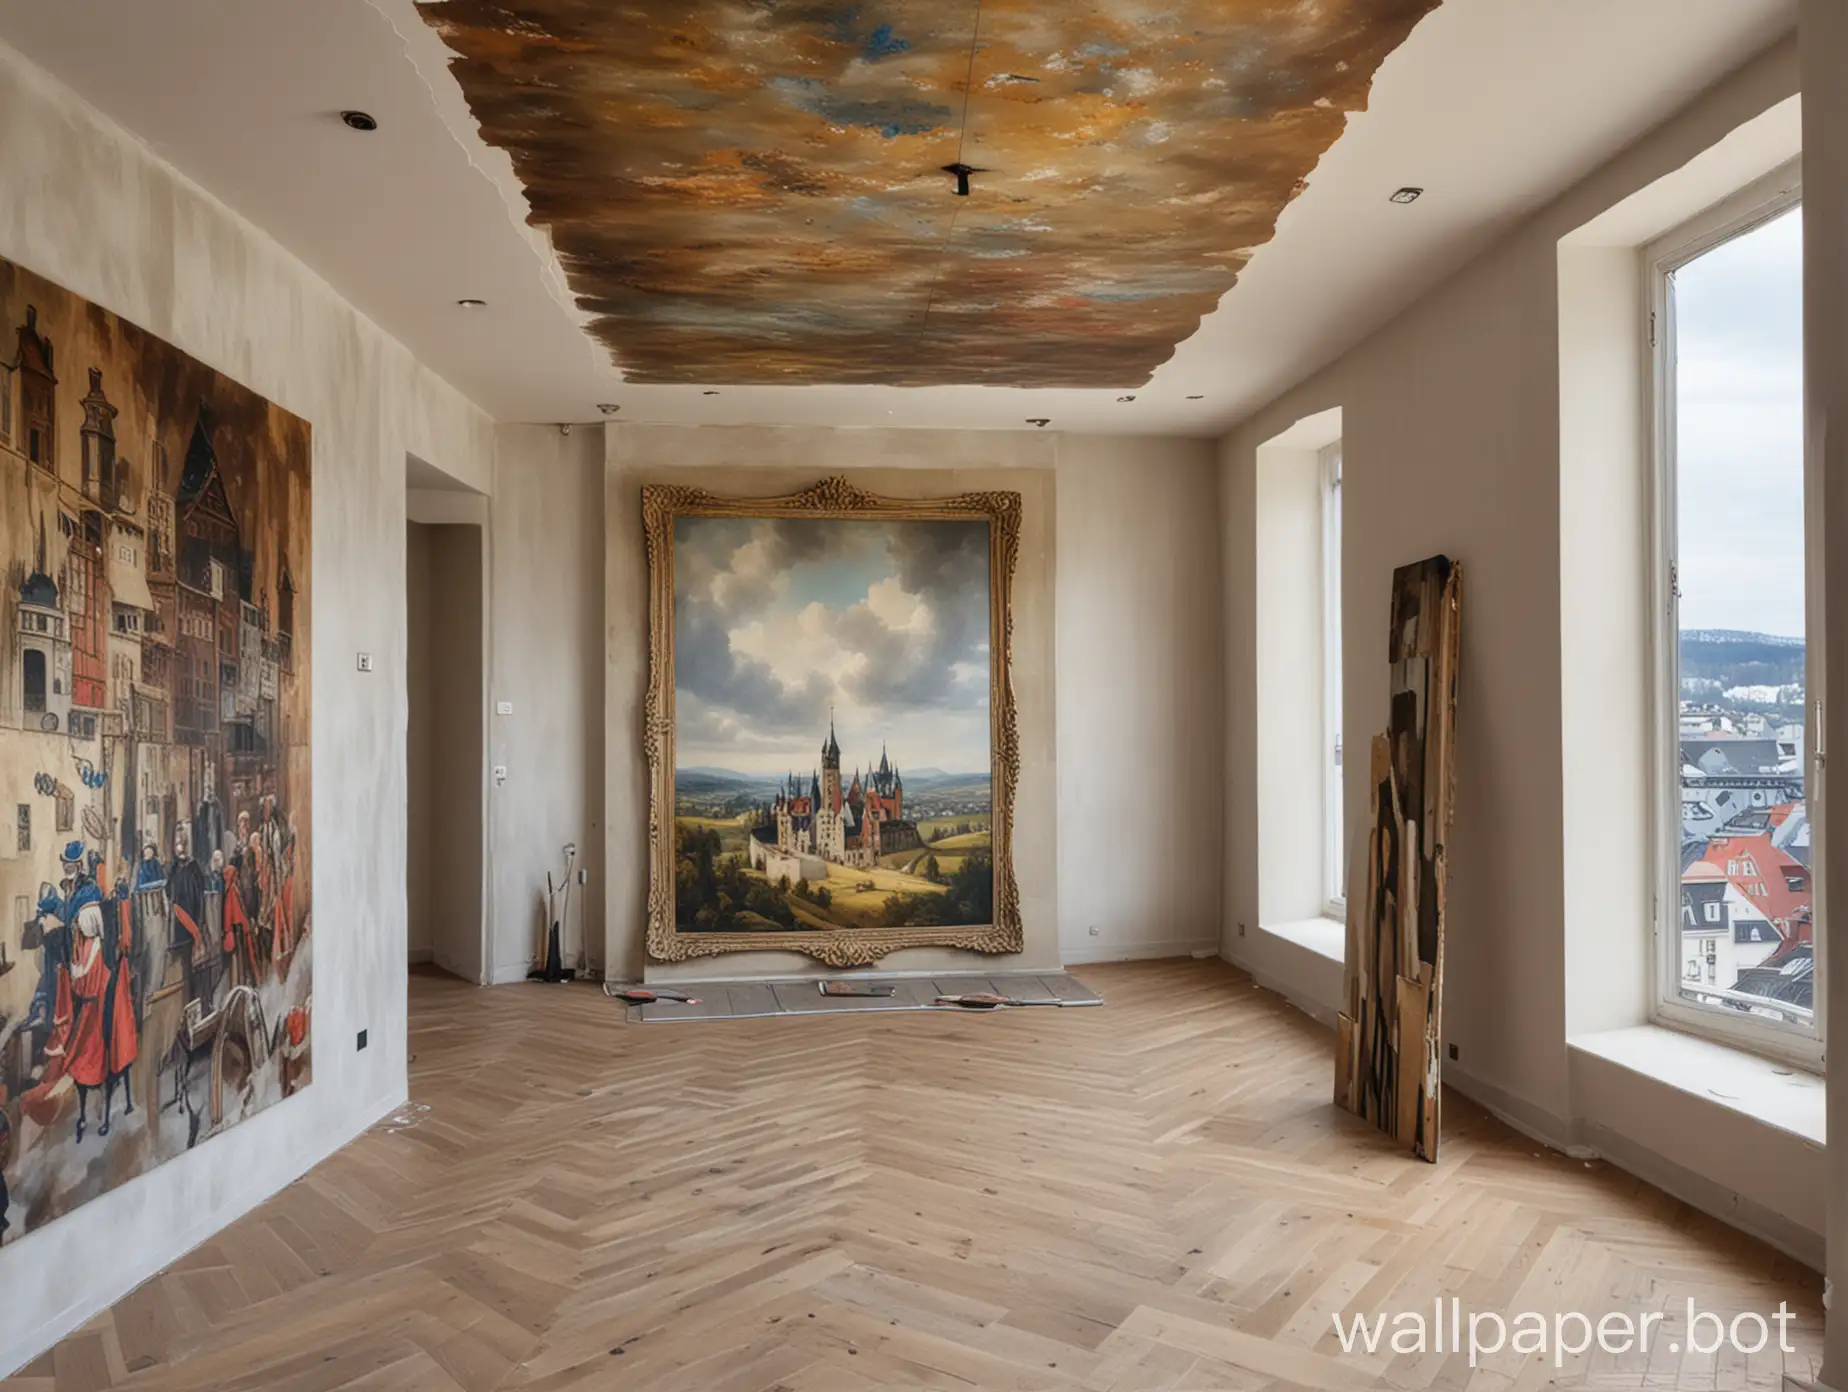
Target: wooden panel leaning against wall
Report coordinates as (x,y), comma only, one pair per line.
(1386,1052)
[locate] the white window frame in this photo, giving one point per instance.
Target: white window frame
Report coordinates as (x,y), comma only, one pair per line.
(1751,207)
(1334,820)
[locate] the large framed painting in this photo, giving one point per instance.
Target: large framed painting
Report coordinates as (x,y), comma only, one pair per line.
(830,723)
(155,958)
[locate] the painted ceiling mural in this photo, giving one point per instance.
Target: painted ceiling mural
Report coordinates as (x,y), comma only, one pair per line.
(754,191)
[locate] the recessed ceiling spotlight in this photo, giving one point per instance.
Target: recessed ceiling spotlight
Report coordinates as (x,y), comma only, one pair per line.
(360,120)
(609,408)
(471,304)
(1039,421)
(1408,194)
(1197,398)
(1125,398)
(709,393)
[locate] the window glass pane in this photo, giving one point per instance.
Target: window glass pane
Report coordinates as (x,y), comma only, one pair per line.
(1746,923)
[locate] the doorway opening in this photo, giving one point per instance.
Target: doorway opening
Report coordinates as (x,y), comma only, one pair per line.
(445,600)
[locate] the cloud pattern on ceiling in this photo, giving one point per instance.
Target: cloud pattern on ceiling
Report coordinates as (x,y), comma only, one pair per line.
(751,192)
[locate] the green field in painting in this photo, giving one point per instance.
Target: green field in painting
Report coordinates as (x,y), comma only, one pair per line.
(933,827)
(968,841)
(857,897)
(912,862)
(734,832)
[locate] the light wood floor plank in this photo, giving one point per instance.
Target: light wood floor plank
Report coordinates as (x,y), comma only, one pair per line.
(1156,1195)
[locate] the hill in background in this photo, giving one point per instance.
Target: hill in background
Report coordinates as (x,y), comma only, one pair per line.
(1723,658)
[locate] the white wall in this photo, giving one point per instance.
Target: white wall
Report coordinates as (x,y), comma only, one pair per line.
(1137,671)
(1604,635)
(1140,695)
(421,751)
(1289,676)
(546,548)
(1825,357)
(1452,442)
(94,210)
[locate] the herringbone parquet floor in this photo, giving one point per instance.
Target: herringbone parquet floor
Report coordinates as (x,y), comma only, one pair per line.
(1157,1194)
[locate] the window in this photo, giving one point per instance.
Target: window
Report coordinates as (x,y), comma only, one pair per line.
(34,661)
(1735,599)
(1334,854)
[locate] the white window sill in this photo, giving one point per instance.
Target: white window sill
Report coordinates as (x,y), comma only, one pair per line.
(1323,936)
(1772,1093)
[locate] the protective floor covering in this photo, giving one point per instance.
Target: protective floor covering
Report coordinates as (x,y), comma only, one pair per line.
(747,1000)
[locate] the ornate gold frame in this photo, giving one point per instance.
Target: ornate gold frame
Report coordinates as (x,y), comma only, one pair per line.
(832,498)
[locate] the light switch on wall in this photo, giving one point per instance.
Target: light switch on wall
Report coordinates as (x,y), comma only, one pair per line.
(503,707)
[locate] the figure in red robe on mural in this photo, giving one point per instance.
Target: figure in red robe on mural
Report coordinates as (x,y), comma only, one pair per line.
(48,1023)
(78,1049)
(123,1035)
(238,946)
(87,1054)
(292,1044)
(274,844)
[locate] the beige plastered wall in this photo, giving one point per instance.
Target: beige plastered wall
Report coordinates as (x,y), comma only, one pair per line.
(546,662)
(91,208)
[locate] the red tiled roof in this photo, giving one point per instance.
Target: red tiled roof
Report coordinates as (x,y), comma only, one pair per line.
(1768,890)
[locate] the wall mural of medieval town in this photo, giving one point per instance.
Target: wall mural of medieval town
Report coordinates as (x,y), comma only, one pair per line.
(155,977)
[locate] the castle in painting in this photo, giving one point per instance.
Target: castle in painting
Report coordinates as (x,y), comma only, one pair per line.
(803,831)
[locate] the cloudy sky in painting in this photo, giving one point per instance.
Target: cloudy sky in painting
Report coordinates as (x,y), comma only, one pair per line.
(776,620)
(1739,432)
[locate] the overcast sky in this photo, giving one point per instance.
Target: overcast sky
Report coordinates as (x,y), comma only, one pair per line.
(776,620)
(1739,432)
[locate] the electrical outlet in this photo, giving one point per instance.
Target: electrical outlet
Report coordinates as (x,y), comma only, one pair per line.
(1094,930)
(500,774)
(583,877)
(362,1039)
(1453,1053)
(570,848)
(365,662)
(1241,930)
(503,707)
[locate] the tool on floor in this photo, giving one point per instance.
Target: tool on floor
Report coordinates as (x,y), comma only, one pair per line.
(557,911)
(870,989)
(642,995)
(988,1000)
